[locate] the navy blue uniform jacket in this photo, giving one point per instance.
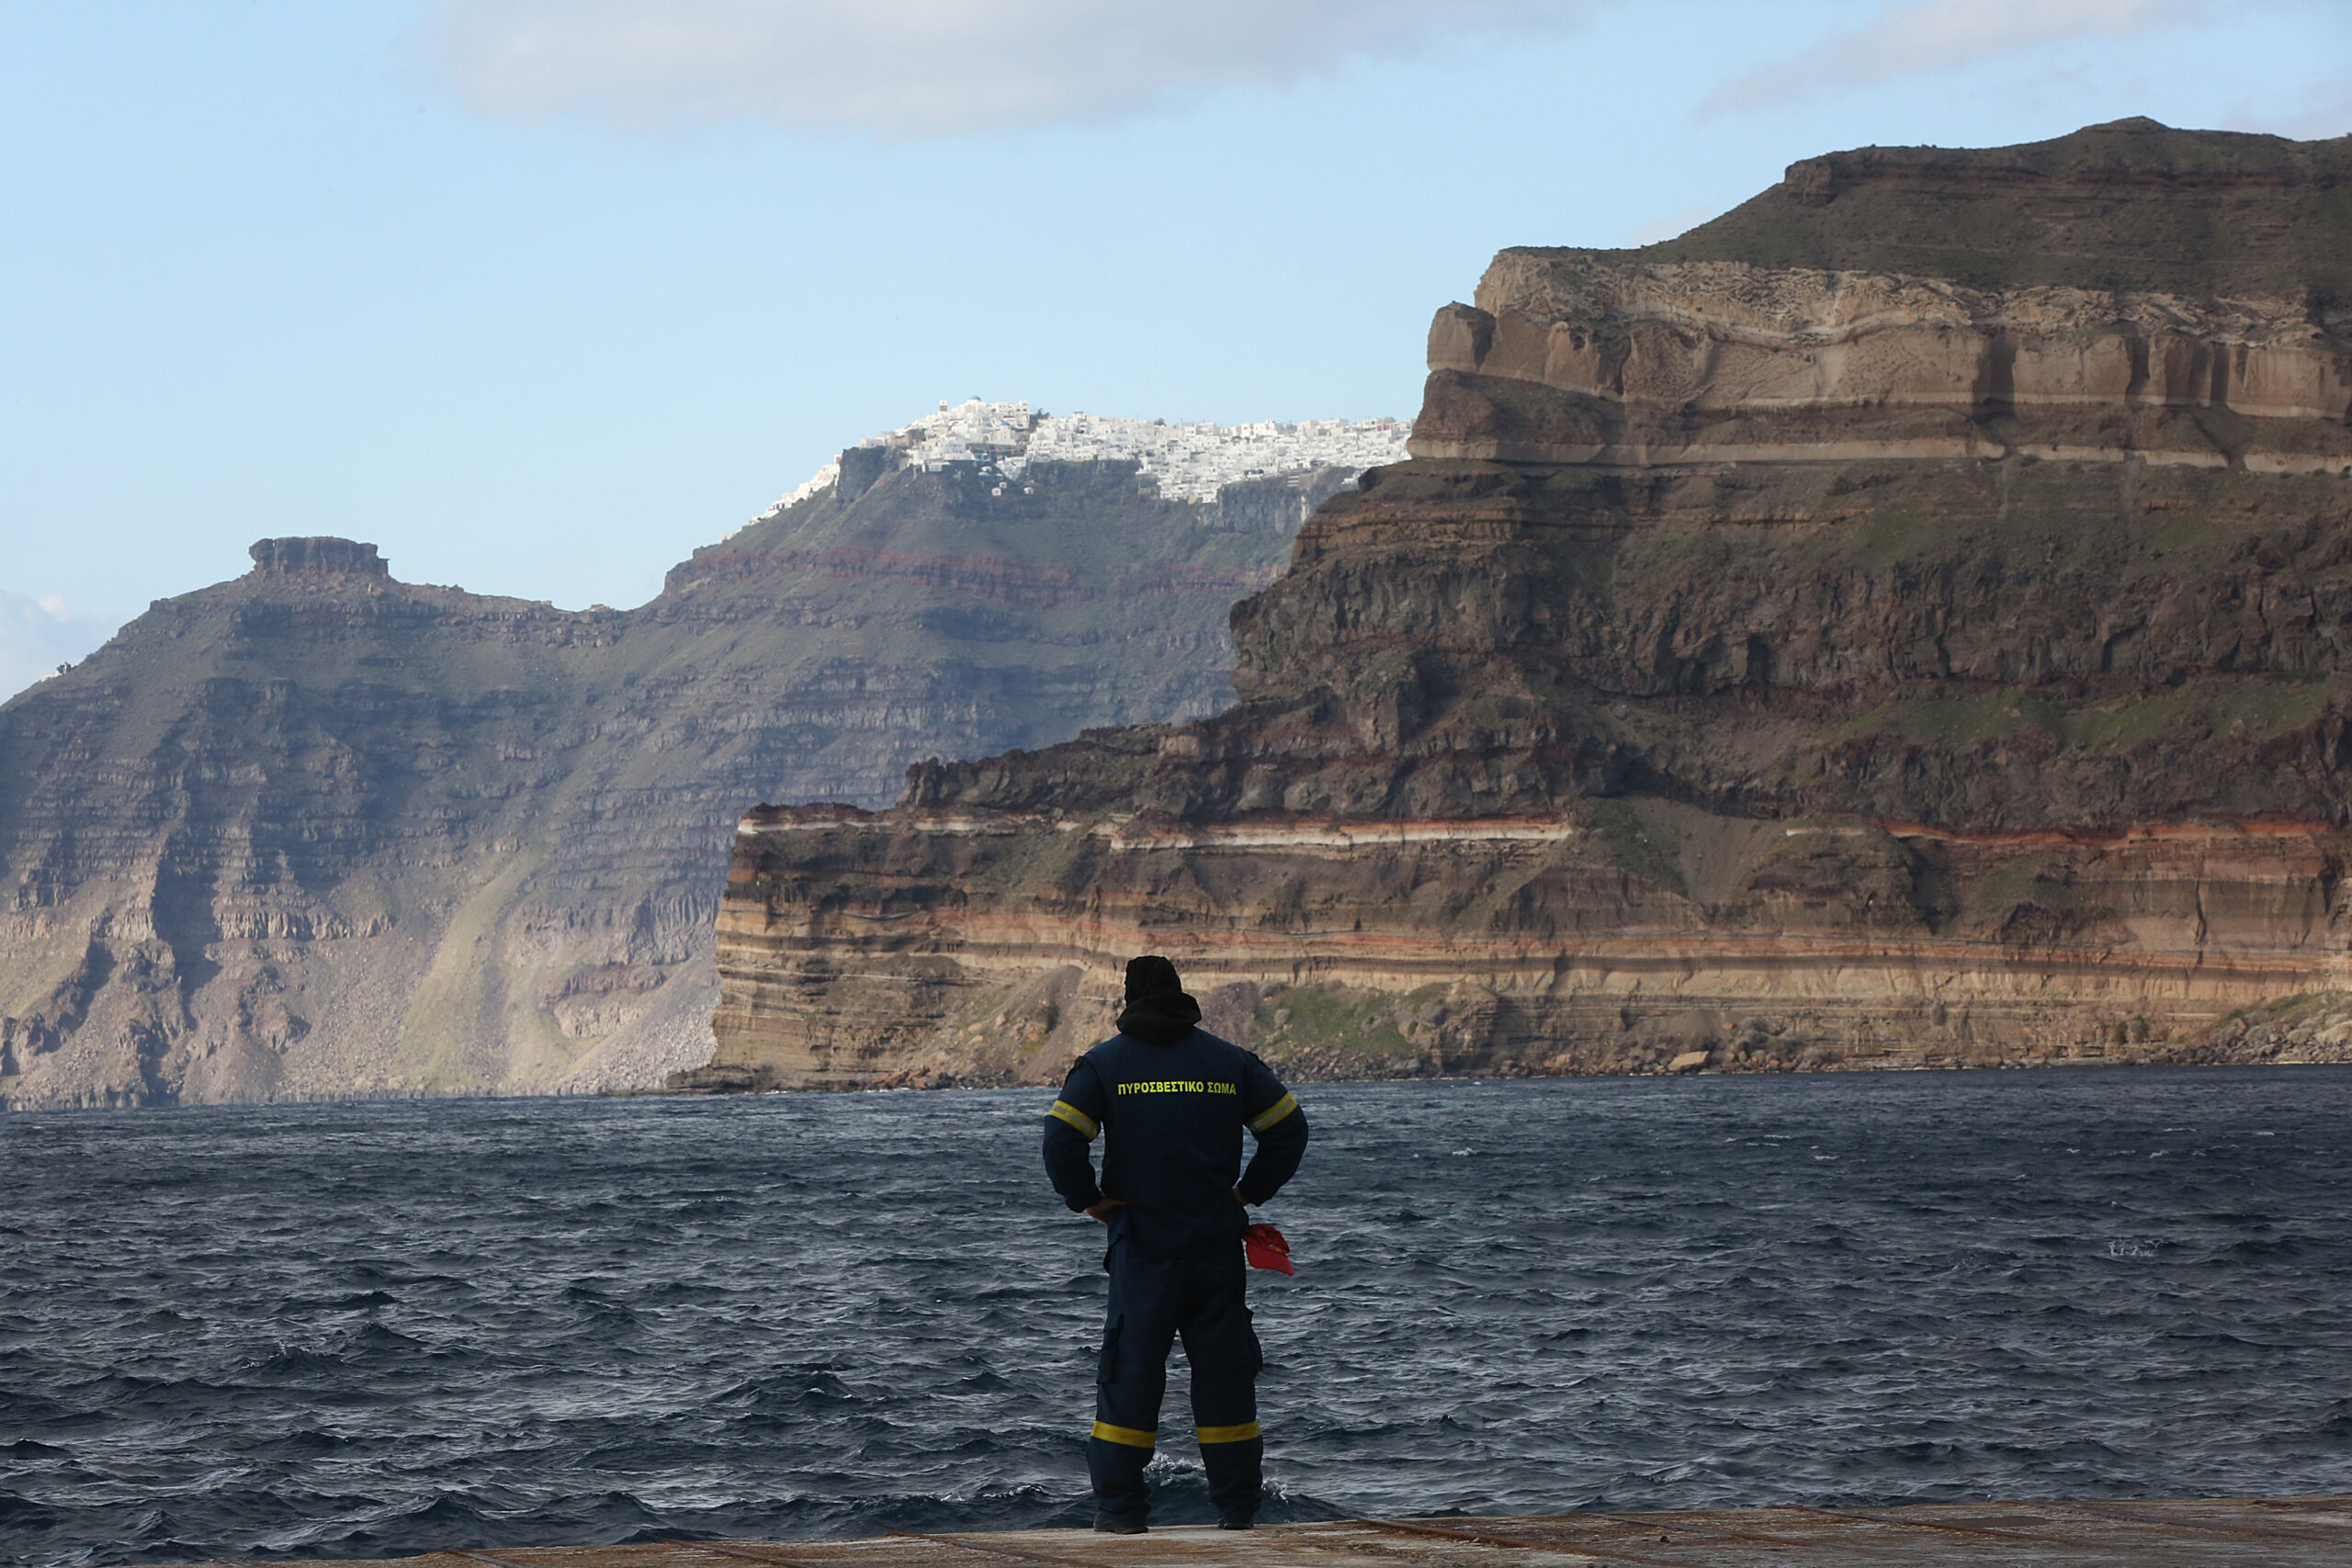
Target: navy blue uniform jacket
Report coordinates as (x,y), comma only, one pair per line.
(1174,1112)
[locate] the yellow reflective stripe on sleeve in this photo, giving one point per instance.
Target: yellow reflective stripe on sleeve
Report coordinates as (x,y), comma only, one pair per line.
(1273,1113)
(1241,1434)
(1127,1435)
(1076,1118)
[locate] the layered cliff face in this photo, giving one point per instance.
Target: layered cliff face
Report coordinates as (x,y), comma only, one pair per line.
(2175,298)
(1902,622)
(1723,362)
(316,833)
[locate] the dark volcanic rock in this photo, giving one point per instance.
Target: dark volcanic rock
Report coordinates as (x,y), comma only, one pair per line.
(1902,622)
(2130,204)
(318,557)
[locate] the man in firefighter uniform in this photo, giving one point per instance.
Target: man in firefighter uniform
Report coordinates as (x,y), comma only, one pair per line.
(1172,1100)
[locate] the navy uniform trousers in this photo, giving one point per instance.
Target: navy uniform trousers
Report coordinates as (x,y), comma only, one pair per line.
(1153,1300)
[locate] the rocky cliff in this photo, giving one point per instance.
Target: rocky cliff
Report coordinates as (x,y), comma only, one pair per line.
(1902,622)
(318,832)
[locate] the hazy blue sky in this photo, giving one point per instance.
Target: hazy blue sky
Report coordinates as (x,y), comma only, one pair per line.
(538,295)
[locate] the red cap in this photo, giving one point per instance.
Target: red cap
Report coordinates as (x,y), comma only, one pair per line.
(1265,1247)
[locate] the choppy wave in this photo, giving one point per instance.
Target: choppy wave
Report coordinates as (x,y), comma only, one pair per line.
(373,1329)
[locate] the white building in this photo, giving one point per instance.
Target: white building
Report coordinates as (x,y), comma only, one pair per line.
(1188,462)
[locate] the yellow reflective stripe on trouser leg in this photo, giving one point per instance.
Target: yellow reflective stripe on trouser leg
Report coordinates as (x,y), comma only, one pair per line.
(1076,1118)
(1241,1434)
(1130,1436)
(1273,1113)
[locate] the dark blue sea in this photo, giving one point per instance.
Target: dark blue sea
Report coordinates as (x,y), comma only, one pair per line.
(363,1330)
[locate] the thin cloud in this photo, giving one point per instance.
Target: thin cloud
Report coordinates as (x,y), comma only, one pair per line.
(38,634)
(1929,35)
(912,68)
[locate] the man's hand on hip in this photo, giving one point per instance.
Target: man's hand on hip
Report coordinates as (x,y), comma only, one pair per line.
(1107,1207)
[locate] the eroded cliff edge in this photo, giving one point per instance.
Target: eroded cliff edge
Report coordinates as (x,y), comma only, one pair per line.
(1903,621)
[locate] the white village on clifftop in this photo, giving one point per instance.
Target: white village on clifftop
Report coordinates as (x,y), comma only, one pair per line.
(1188,461)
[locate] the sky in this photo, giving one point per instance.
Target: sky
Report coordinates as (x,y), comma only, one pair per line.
(540,294)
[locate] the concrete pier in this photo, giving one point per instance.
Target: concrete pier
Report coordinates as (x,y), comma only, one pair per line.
(2216,1532)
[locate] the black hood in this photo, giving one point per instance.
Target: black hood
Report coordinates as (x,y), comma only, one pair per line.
(1158,1010)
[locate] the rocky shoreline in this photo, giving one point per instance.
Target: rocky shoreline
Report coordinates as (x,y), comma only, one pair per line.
(2290,1032)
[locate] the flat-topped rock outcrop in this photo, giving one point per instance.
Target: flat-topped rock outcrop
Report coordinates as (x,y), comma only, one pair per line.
(2129,205)
(1899,622)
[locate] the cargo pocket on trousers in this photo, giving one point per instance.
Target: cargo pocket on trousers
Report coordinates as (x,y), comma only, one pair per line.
(1107,1368)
